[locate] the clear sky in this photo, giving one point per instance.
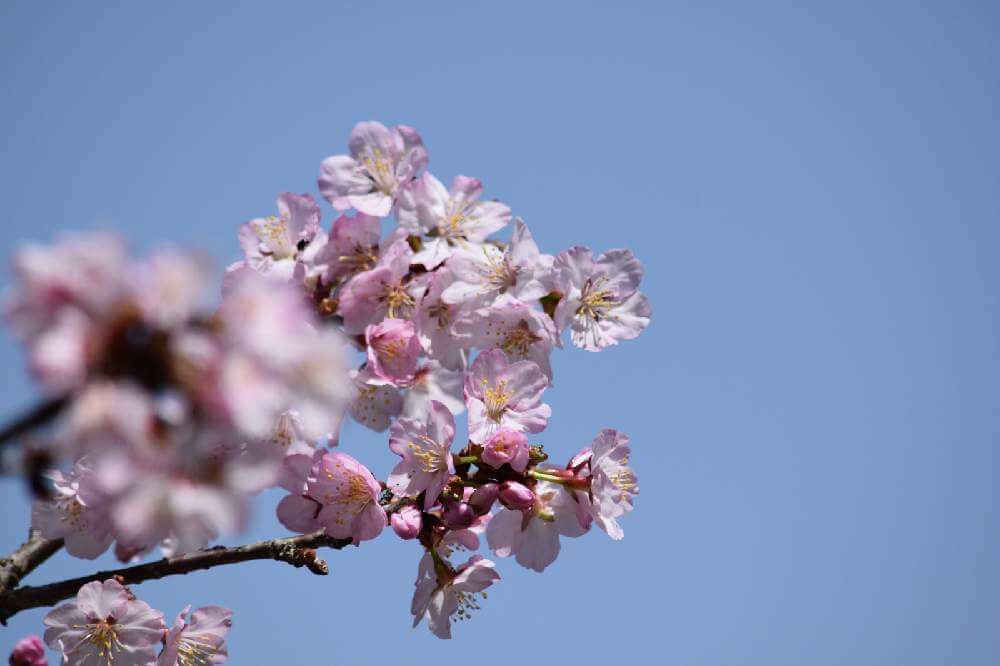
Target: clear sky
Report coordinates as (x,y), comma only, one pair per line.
(813,191)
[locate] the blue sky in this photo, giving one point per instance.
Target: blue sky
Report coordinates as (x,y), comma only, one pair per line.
(812,190)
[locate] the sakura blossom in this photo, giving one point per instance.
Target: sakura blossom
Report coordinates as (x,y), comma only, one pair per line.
(77,513)
(407,522)
(525,334)
(352,247)
(499,394)
(382,161)
(348,495)
(486,272)
(613,484)
(387,290)
(532,536)
(198,638)
(431,382)
(376,401)
(449,217)
(436,318)
(104,626)
(443,593)
(600,300)
(506,446)
(425,449)
(282,245)
(393,350)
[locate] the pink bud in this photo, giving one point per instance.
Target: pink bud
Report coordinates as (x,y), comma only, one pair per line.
(458,515)
(506,446)
(482,500)
(406,522)
(516,496)
(29,651)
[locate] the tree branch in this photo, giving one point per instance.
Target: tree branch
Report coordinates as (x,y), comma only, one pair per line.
(26,559)
(297,551)
(35,417)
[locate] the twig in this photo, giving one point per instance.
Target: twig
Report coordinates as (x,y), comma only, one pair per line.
(35,417)
(26,559)
(297,551)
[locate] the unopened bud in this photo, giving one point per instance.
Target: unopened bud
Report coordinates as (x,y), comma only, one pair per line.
(482,500)
(516,496)
(458,515)
(406,522)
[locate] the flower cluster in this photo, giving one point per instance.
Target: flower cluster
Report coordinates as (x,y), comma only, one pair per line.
(106,624)
(172,417)
(446,318)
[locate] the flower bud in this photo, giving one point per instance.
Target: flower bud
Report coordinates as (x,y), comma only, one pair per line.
(516,496)
(458,515)
(506,446)
(482,500)
(29,652)
(406,522)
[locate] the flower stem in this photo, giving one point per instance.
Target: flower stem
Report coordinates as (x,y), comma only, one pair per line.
(572,481)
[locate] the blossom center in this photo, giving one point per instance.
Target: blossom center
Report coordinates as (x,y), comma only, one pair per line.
(496,399)
(428,453)
(518,339)
(103,635)
(196,650)
(380,170)
(361,258)
(596,299)
(396,298)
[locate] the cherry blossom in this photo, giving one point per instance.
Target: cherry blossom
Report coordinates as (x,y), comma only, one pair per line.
(436,319)
(485,272)
(352,247)
(434,382)
(613,484)
(387,290)
(521,331)
(382,161)
(532,536)
(77,513)
(499,395)
(104,626)
(600,299)
(407,522)
(376,401)
(425,449)
(349,496)
(198,639)
(443,592)
(393,350)
(449,217)
(506,446)
(280,245)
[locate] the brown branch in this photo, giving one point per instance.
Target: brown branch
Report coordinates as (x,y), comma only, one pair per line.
(35,417)
(297,551)
(26,559)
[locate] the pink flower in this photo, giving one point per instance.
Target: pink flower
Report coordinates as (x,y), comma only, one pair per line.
(407,522)
(277,246)
(451,219)
(434,382)
(442,592)
(613,484)
(29,651)
(522,332)
(353,247)
(349,496)
(381,162)
(78,513)
(393,350)
(436,318)
(199,639)
(376,401)
(601,303)
(384,291)
(170,287)
(102,626)
(425,449)
(533,536)
(486,272)
(504,395)
(506,447)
